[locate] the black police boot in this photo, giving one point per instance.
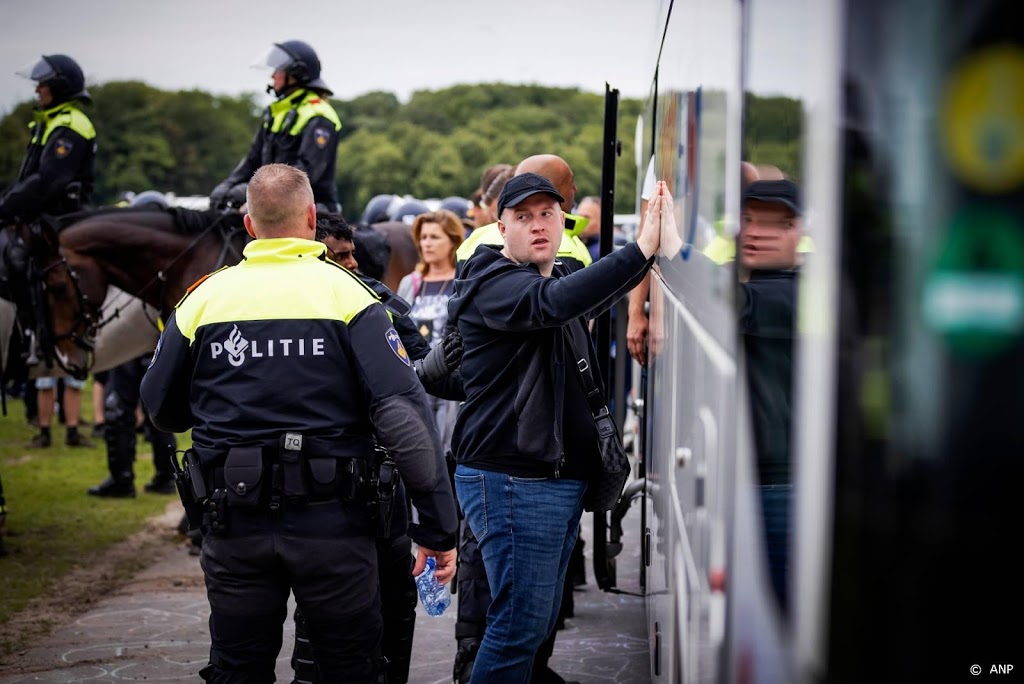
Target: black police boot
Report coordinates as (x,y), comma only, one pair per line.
(164,446)
(465,656)
(122,487)
(120,439)
(161,484)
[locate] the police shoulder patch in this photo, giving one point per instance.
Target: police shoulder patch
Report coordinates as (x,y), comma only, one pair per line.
(395,342)
(322,136)
(63,148)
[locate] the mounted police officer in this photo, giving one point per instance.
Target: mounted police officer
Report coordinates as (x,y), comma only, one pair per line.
(57,174)
(285,367)
(56,178)
(299,129)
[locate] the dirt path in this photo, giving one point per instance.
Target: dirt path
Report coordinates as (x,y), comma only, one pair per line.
(97,577)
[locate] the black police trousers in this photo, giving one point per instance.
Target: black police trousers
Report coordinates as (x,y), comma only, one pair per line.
(325,554)
(398,605)
(121,391)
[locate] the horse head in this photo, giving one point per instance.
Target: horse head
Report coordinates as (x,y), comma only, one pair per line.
(58,295)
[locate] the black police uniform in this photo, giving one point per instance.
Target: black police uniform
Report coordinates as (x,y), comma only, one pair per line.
(255,366)
(57,174)
(121,397)
(301,130)
(394,554)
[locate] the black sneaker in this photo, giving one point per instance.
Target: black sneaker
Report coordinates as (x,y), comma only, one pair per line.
(40,441)
(75,439)
(111,488)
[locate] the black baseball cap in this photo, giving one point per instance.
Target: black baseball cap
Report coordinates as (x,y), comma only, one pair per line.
(522,186)
(779,191)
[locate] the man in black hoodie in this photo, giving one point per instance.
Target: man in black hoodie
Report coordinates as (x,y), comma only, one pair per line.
(525,441)
(769,258)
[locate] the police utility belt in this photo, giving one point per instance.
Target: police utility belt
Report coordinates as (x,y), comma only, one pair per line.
(296,471)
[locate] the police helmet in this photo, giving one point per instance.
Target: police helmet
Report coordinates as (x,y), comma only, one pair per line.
(408,210)
(457,205)
(376,210)
(149,199)
(298,60)
(61,75)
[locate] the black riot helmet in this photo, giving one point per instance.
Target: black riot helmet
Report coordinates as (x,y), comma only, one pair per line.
(61,75)
(407,210)
(376,210)
(298,60)
(457,205)
(150,199)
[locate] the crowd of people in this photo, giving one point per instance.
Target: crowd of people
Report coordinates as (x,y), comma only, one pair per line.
(307,384)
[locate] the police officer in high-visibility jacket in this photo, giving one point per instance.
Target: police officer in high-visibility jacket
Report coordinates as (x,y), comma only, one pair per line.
(56,176)
(300,128)
(284,367)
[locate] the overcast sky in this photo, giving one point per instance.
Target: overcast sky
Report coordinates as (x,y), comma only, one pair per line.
(364,45)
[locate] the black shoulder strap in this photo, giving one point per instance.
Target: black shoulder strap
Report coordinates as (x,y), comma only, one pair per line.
(577,342)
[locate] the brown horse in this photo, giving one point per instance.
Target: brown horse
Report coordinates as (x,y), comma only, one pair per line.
(146,254)
(142,252)
(402,253)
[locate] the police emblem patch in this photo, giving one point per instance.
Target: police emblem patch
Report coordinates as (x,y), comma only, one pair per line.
(63,147)
(396,346)
(322,137)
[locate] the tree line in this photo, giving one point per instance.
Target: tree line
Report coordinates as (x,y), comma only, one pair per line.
(435,145)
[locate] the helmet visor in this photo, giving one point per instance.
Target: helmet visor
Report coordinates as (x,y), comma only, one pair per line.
(39,71)
(274,60)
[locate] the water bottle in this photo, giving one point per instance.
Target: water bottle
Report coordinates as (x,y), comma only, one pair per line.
(434,595)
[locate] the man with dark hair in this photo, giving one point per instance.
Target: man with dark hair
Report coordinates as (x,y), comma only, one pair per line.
(394,553)
(286,394)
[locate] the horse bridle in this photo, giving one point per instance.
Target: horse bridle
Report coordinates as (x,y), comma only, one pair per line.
(161,276)
(88,314)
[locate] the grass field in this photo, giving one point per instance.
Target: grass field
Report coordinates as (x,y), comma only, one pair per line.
(52,525)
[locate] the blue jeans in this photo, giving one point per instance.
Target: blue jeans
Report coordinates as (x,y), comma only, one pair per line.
(526,529)
(776,501)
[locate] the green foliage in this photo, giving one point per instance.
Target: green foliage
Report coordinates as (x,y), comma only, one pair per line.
(772,133)
(436,145)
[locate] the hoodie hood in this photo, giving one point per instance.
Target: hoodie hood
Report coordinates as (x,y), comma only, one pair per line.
(487,262)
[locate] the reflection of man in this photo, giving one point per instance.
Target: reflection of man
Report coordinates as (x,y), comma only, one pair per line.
(770,230)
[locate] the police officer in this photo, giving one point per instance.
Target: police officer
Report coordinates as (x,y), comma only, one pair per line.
(283,392)
(398,589)
(57,174)
(299,129)
(121,397)
(56,177)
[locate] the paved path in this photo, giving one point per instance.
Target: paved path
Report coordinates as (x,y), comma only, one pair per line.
(155,629)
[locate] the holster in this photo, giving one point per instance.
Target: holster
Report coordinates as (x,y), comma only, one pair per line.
(188,479)
(385,478)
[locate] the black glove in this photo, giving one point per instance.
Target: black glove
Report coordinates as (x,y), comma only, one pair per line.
(442,359)
(219,195)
